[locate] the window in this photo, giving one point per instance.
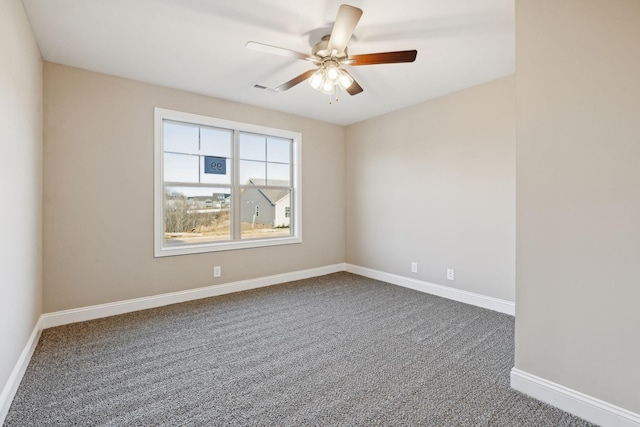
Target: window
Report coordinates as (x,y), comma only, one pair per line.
(222,185)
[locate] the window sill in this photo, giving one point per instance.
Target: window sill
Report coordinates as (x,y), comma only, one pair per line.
(227,246)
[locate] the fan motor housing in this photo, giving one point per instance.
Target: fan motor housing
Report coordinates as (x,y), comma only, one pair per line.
(320,50)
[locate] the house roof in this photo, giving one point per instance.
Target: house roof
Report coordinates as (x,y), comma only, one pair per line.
(273,195)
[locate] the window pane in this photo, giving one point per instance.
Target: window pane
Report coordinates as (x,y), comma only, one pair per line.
(278,150)
(194,215)
(180,138)
(216,142)
(278,174)
(251,171)
(264,213)
(213,178)
(252,146)
(180,168)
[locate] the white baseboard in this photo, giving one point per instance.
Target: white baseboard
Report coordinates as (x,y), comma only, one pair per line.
(111,309)
(82,314)
(479,300)
(579,404)
(13,382)
(64,317)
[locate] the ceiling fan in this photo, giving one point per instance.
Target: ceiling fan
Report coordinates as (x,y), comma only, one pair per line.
(330,55)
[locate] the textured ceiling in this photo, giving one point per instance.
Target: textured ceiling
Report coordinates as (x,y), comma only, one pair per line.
(198,46)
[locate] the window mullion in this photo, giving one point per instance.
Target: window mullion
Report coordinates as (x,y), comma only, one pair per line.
(236,223)
(292,187)
(200,154)
(266,160)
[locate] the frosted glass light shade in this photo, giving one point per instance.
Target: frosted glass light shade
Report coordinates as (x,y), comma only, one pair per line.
(333,73)
(317,79)
(327,87)
(345,80)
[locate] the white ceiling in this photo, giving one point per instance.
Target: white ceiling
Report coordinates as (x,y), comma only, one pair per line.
(198,46)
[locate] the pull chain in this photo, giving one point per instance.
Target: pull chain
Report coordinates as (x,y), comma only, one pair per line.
(331,95)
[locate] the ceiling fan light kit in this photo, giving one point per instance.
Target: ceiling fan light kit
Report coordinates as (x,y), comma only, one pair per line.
(330,55)
(328,76)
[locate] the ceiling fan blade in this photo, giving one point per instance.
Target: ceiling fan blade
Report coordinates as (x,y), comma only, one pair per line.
(384,58)
(355,88)
(346,21)
(294,81)
(261,47)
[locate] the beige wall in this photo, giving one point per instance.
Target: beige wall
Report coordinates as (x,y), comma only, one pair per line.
(435,184)
(21,177)
(578,196)
(98,193)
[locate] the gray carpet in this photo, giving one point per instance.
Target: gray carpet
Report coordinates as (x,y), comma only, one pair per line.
(337,350)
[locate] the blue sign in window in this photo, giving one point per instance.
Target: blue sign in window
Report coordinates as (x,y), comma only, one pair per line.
(215,165)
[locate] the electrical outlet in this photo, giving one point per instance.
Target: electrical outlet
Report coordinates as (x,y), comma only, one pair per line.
(450,274)
(414,267)
(217,271)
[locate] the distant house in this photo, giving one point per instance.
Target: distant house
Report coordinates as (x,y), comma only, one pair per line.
(213,203)
(267,206)
(216,201)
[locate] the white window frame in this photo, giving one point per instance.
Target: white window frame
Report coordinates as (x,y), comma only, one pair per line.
(161,250)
